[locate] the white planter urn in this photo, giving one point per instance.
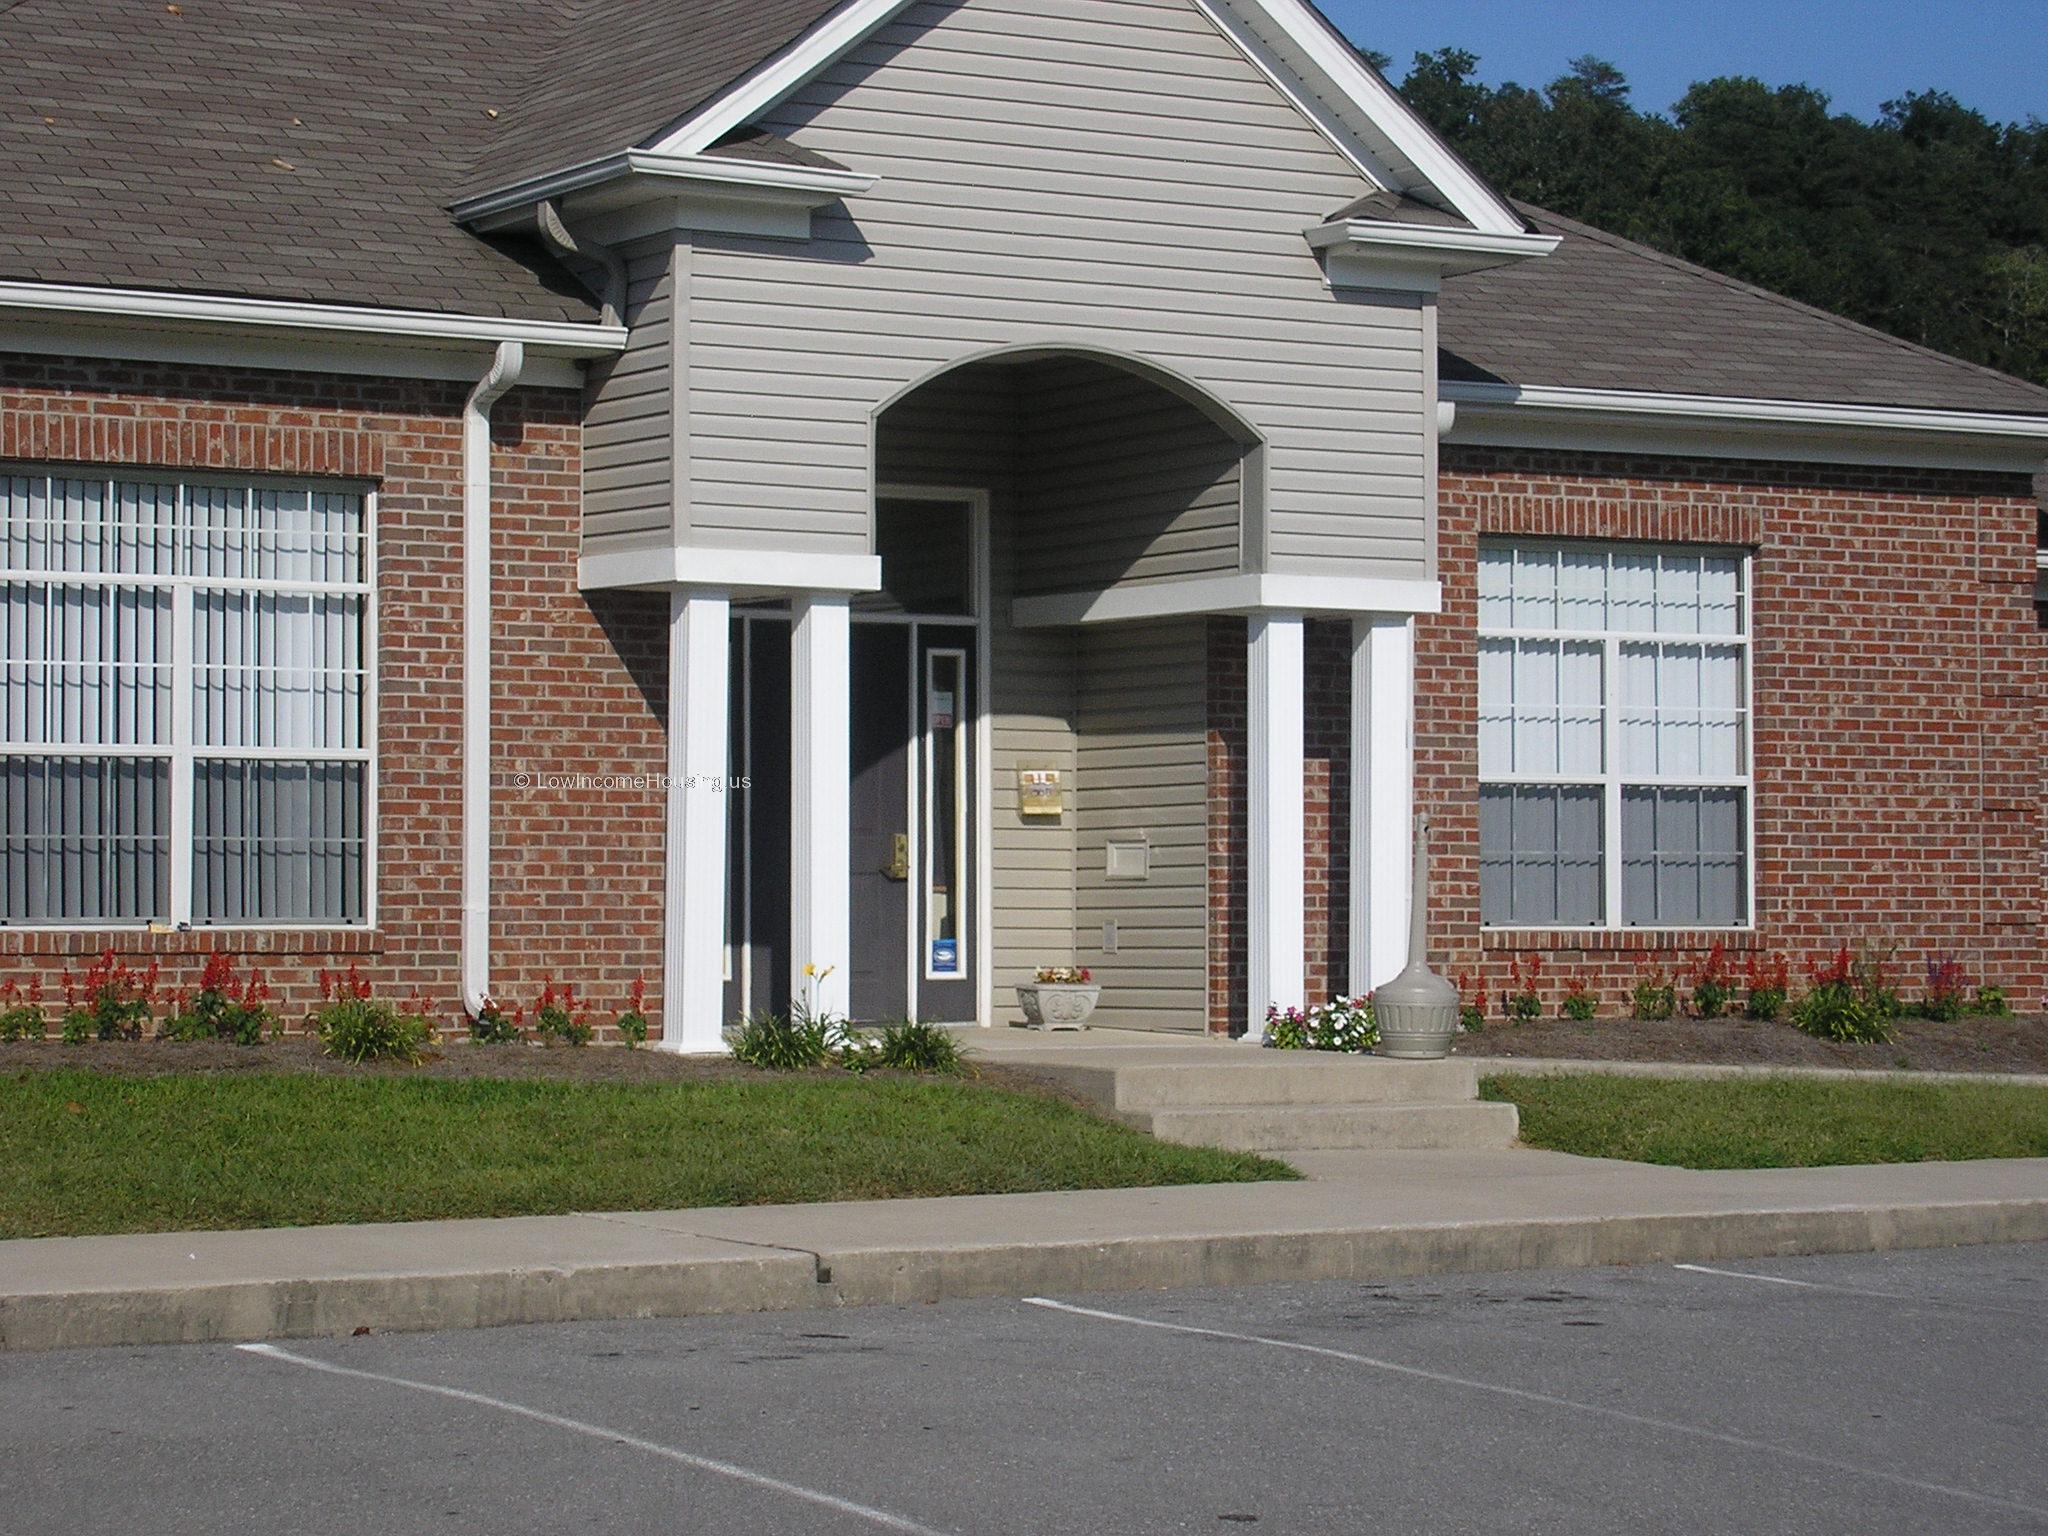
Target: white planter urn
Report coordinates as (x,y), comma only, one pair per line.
(1058,1005)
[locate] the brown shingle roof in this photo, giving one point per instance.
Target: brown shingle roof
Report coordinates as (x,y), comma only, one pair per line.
(624,71)
(308,150)
(1601,312)
(277,149)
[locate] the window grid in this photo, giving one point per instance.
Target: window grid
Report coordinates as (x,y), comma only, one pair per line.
(232,545)
(1561,594)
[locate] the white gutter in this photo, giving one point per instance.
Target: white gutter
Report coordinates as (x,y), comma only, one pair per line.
(1452,250)
(1740,409)
(504,373)
(813,184)
(557,338)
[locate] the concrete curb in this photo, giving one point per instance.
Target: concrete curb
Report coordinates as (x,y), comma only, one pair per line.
(1573,1066)
(768,1279)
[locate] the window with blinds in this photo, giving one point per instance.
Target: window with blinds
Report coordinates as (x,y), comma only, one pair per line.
(186,708)
(1613,737)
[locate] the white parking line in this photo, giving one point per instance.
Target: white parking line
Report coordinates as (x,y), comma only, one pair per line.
(761,1480)
(1854,1290)
(1643,1421)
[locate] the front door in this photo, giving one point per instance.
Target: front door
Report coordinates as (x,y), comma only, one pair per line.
(913,844)
(883,883)
(914,790)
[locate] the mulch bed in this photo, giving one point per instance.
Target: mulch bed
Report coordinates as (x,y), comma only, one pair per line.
(591,1064)
(1922,1045)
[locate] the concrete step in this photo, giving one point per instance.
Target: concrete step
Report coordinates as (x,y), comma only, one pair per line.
(1436,1127)
(1269,1078)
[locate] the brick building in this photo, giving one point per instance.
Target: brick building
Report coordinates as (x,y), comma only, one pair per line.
(931,490)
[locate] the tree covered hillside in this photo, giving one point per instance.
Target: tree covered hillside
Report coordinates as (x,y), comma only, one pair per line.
(1930,223)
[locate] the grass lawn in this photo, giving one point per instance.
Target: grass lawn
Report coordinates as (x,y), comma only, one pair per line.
(91,1152)
(1777,1122)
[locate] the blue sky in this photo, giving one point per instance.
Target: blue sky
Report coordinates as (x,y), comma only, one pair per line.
(1990,54)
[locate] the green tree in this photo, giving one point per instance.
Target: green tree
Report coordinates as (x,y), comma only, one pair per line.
(1930,223)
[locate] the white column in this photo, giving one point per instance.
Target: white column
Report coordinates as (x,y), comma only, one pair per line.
(1382,795)
(699,704)
(1275,861)
(821,771)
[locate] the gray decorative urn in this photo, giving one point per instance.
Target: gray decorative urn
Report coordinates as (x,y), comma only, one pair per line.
(1058,1005)
(1417,1012)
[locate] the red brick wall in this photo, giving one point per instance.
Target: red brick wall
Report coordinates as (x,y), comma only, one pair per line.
(1899,675)
(1901,731)
(577,682)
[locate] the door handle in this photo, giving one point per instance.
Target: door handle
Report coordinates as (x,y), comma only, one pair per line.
(898,867)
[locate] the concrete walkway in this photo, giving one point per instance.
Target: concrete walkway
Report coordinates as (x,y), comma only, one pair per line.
(1357,1215)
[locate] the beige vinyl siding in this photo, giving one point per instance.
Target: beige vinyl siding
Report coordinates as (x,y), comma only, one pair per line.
(629,415)
(1090,174)
(1143,771)
(1123,482)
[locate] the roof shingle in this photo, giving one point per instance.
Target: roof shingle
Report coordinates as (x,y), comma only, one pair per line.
(1601,312)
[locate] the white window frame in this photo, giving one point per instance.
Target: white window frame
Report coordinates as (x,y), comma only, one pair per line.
(1611,780)
(929,829)
(180,751)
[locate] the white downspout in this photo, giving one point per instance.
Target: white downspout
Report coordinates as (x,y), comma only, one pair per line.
(504,373)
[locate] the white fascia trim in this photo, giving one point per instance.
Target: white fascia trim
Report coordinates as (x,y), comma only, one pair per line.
(1449,251)
(559,338)
(1537,415)
(1224,17)
(1246,593)
(1322,51)
(769,84)
(808,185)
(752,572)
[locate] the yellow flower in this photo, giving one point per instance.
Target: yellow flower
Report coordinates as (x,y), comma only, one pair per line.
(810,970)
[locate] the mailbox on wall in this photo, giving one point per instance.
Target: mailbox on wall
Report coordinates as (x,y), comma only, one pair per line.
(1038,792)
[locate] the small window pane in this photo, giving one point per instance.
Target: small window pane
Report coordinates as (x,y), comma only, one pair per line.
(1632,594)
(84,840)
(1720,596)
(85,666)
(278,843)
(278,670)
(1582,591)
(1496,706)
(1684,857)
(1540,855)
(1678,595)
(926,549)
(1536,589)
(1496,588)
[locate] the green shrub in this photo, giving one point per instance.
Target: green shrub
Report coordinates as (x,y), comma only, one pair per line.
(1990,1003)
(1767,984)
(1581,1002)
(1471,1003)
(357,1027)
(776,1043)
(226,1007)
(21,1010)
(632,1025)
(556,1016)
(910,1047)
(1713,983)
(493,1025)
(1838,1006)
(111,1001)
(1521,1001)
(1947,997)
(1655,995)
(1872,975)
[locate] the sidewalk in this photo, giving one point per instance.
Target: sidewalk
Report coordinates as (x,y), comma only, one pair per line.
(1358,1215)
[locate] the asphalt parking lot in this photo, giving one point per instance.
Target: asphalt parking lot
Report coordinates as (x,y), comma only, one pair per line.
(1897,1393)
